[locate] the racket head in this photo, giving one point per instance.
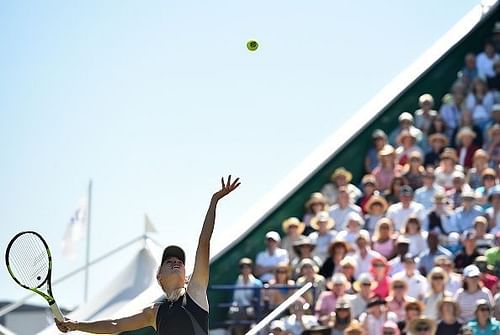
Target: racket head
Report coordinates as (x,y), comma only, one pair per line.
(28,260)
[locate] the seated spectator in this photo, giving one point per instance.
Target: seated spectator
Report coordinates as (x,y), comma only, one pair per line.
(437,279)
(437,142)
(369,190)
(422,326)
(492,147)
(475,173)
(379,139)
(412,230)
(244,300)
(363,286)
(439,216)
(268,260)
(448,314)
(383,240)
(483,322)
(397,299)
(417,284)
(413,171)
(342,319)
(484,240)
(466,147)
(340,211)
(375,317)
(303,248)
(469,71)
(309,274)
(327,300)
(425,194)
(425,115)
(486,59)
(406,146)
(413,311)
(354,222)
(463,217)
(454,282)
(340,178)
(390,328)
(337,251)
(317,330)
(447,166)
(488,181)
(402,247)
(494,82)
(453,242)
(375,209)
(324,234)
(380,271)
(493,256)
(459,186)
(316,204)
(479,101)
(433,250)
(387,168)
(466,121)
(399,212)
(277,327)
(495,119)
(405,123)
(278,290)
(468,254)
(472,291)
(493,212)
(298,320)
(393,193)
(364,254)
(348,269)
(450,111)
(487,279)
(293,229)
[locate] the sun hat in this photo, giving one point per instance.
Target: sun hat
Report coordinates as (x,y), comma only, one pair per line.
(364,278)
(293,221)
(322,217)
(341,171)
(422,321)
(316,198)
(438,137)
(376,199)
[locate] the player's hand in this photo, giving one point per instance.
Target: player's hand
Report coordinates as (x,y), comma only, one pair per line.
(66,325)
(227,187)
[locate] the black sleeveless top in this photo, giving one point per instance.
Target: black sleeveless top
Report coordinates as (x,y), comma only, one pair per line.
(181,317)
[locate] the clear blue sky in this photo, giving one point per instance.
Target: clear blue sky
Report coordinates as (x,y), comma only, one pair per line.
(155,100)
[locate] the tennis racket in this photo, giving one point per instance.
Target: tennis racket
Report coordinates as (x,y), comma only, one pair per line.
(29,263)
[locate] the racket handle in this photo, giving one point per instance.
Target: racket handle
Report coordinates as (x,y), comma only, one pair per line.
(56,311)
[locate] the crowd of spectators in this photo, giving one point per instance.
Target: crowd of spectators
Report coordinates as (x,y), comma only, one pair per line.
(415,247)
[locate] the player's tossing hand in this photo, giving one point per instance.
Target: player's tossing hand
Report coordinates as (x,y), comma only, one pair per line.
(226,187)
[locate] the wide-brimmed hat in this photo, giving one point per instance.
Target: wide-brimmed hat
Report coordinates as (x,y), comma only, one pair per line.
(465,131)
(322,217)
(379,133)
(449,300)
(245,261)
(368,179)
(489,172)
(404,134)
(316,198)
(308,262)
(437,271)
(422,321)
(387,150)
(338,278)
(482,264)
(364,278)
(376,199)
(304,240)
(480,153)
(426,97)
(438,137)
(449,153)
(341,171)
(405,116)
(293,221)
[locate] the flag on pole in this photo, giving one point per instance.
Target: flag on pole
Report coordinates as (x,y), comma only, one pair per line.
(76,230)
(148,225)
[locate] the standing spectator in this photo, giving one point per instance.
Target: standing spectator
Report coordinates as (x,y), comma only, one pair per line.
(268,260)
(379,139)
(384,238)
(417,284)
(463,217)
(447,166)
(484,323)
(469,71)
(340,178)
(375,209)
(451,112)
(479,165)
(434,249)
(468,254)
(341,210)
(425,194)
(439,216)
(363,286)
(412,230)
(437,279)
(413,172)
(448,314)
(486,59)
(323,234)
(399,212)
(293,229)
(467,296)
(337,251)
(437,143)
(405,123)
(425,115)
(479,101)
(364,254)
(316,203)
(466,146)
(387,168)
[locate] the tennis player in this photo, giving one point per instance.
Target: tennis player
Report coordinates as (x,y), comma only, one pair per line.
(185,309)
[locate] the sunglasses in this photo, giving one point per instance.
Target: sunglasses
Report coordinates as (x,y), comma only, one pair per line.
(437,278)
(379,265)
(398,287)
(484,309)
(422,329)
(281,271)
(388,333)
(366,284)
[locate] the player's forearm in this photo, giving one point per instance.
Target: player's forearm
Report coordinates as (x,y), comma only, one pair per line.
(98,327)
(209,223)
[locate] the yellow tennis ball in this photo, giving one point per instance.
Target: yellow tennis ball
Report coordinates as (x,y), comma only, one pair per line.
(252,45)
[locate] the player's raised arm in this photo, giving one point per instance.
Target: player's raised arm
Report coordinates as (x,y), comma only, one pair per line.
(197,287)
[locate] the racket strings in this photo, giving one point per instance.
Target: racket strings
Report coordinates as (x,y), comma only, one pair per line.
(29,260)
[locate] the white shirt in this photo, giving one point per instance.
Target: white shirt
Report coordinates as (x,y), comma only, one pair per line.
(265,259)
(322,243)
(340,215)
(484,65)
(417,284)
(399,215)
(293,325)
(363,264)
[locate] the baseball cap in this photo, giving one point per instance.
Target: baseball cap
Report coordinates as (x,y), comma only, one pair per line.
(406,190)
(173,251)
(471,271)
(273,236)
(405,116)
(277,324)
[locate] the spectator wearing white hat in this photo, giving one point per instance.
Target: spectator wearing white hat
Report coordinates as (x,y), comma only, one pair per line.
(327,300)
(471,292)
(458,188)
(277,327)
(303,248)
(268,260)
(363,286)
(417,284)
(463,217)
(402,247)
(425,114)
(405,123)
(352,227)
(484,322)
(323,235)
(363,254)
(451,110)
(400,211)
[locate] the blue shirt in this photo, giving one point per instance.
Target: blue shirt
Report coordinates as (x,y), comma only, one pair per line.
(464,220)
(492,327)
(427,258)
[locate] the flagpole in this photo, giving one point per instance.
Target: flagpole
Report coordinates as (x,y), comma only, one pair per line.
(87,259)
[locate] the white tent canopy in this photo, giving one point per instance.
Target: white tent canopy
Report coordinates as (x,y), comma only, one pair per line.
(134,288)
(5,331)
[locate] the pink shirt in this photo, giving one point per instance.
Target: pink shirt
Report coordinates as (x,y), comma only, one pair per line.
(385,248)
(326,303)
(382,289)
